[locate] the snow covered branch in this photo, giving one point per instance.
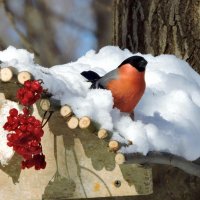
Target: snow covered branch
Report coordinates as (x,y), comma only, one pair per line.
(154,157)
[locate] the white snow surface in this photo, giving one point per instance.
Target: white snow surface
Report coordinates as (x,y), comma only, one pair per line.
(166,118)
(6,152)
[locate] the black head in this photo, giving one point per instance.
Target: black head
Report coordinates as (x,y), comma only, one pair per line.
(136,61)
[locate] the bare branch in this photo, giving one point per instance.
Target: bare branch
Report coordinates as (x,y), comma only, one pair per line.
(165,159)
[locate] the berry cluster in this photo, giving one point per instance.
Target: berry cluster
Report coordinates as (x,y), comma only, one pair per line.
(25,133)
(30,93)
(37,160)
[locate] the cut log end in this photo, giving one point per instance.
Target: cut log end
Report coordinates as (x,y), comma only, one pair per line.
(6,74)
(66,111)
(45,104)
(73,122)
(23,76)
(84,122)
(120,158)
(102,134)
(113,145)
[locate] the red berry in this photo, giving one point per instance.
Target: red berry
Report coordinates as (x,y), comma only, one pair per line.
(37,122)
(29,95)
(6,126)
(25,101)
(38,131)
(23,127)
(14,126)
(27,84)
(13,112)
(20,93)
(9,136)
(10,120)
(35,86)
(22,119)
(26,111)
(10,144)
(31,119)
(34,143)
(19,134)
(30,128)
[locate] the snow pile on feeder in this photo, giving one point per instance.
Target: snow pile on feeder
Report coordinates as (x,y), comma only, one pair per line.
(166,118)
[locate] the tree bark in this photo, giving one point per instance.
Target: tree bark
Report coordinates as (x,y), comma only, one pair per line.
(159,27)
(162,27)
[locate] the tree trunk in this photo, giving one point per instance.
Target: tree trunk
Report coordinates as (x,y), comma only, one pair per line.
(162,27)
(159,27)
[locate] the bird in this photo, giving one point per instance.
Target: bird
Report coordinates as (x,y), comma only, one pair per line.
(126,83)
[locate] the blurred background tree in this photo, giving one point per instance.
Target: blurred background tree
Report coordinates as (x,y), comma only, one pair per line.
(57,31)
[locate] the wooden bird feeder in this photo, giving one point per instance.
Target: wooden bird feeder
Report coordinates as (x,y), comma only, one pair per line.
(82,160)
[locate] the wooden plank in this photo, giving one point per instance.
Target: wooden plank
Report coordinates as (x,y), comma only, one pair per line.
(79,165)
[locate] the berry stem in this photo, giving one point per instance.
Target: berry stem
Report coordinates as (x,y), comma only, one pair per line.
(50,114)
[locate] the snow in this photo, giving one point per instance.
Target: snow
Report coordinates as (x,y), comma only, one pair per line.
(167,117)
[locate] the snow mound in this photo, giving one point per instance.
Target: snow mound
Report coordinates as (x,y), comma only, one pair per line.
(167,117)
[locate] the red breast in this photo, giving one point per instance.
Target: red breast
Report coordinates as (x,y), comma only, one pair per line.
(128,89)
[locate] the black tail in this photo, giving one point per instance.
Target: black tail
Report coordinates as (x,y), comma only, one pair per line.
(93,77)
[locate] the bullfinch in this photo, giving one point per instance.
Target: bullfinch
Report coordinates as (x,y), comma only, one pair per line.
(126,82)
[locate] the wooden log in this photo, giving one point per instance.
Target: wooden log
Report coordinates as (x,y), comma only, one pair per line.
(6,74)
(8,84)
(84,122)
(66,111)
(87,125)
(49,104)
(102,134)
(23,76)
(73,122)
(113,145)
(120,158)
(45,104)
